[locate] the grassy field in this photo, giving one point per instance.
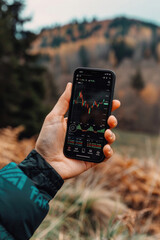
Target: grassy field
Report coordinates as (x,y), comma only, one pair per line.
(117,200)
(140,145)
(109,203)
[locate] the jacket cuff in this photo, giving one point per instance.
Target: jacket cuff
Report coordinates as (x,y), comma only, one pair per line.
(46,179)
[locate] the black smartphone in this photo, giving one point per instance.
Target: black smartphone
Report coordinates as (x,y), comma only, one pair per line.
(90,107)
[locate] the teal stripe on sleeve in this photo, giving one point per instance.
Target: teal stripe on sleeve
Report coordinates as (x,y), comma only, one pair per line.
(4,235)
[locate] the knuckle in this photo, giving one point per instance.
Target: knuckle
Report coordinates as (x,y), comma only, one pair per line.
(111,138)
(48,118)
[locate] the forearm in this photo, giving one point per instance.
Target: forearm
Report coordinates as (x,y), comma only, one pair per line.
(25,191)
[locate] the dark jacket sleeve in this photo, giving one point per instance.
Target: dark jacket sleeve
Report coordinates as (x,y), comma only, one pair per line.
(25,191)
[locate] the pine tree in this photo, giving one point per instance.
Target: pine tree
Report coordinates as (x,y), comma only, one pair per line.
(83,55)
(137,81)
(21,79)
(122,50)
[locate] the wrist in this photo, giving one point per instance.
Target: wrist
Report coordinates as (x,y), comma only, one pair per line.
(54,164)
(44,177)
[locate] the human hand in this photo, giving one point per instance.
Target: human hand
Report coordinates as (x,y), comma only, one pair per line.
(52,136)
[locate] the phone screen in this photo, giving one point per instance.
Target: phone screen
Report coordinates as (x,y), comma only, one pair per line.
(89,110)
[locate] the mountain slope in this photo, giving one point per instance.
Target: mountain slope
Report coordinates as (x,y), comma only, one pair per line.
(130,47)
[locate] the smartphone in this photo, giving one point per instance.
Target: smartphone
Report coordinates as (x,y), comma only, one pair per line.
(90,107)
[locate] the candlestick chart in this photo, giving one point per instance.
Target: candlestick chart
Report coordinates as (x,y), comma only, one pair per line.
(90,109)
(80,100)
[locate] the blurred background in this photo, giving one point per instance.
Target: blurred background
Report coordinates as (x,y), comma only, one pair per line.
(41,44)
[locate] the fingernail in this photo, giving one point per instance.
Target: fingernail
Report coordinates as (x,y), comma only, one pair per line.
(108,148)
(110,134)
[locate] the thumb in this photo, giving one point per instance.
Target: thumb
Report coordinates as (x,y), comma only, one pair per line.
(62,105)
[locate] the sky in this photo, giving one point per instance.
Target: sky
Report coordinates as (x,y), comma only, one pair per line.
(49,12)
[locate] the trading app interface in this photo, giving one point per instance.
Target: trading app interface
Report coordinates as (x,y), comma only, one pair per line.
(89,112)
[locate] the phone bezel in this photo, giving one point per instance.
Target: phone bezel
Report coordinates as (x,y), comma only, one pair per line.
(70,109)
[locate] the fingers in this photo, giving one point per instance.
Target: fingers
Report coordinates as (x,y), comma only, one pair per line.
(62,105)
(66,119)
(112,121)
(109,136)
(107,150)
(115,104)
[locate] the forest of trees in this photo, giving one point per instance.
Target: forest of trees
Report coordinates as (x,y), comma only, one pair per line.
(22,90)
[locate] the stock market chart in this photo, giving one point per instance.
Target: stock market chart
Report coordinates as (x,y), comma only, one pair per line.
(87,123)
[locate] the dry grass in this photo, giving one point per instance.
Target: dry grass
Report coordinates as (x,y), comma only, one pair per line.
(116,200)
(12,150)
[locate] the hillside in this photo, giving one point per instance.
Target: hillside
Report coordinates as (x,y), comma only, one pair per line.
(130,32)
(130,47)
